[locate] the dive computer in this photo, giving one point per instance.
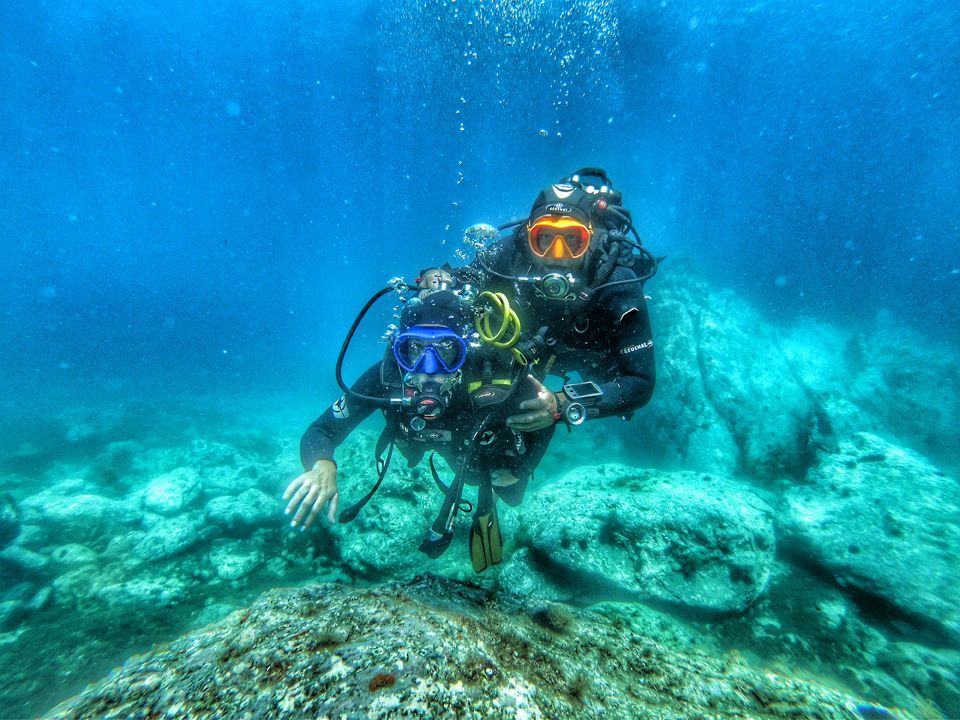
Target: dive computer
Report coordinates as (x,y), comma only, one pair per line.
(582,399)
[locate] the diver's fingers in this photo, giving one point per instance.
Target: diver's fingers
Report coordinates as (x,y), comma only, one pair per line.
(524,418)
(332,512)
(305,505)
(540,402)
(537,384)
(317,507)
(531,422)
(294,484)
(297,497)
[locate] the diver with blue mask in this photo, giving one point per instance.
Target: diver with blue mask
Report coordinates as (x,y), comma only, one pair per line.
(445,387)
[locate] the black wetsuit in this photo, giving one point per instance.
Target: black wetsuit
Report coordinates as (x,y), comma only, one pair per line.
(497,447)
(608,340)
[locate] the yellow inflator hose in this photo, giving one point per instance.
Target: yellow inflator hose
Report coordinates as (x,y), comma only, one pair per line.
(506,336)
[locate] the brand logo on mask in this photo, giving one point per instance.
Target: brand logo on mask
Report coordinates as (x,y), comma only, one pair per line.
(563,190)
(559,208)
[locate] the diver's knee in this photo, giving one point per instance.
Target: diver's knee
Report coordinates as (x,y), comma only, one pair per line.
(502,477)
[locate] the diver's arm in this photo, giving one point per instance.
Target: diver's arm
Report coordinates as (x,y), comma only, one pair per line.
(328,431)
(631,346)
(313,489)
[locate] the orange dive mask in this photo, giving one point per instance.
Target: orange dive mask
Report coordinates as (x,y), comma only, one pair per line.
(559,238)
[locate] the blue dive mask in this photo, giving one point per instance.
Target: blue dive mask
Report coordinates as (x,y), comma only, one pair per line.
(430,350)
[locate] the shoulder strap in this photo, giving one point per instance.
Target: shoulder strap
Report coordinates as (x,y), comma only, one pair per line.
(384,442)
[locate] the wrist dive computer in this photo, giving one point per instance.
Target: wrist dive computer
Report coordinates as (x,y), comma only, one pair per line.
(581,402)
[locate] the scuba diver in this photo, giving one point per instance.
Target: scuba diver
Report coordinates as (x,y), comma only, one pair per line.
(579,278)
(445,385)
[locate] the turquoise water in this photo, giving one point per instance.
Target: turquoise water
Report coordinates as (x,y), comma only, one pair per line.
(197,198)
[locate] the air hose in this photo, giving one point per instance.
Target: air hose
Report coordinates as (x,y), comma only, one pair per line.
(506,336)
(378,401)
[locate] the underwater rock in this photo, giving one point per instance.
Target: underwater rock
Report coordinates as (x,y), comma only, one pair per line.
(680,423)
(170,537)
(226,480)
(234,559)
(19,591)
(933,673)
(884,521)
(819,356)
(41,600)
(16,562)
(904,378)
(749,382)
(242,513)
(726,398)
(384,538)
(142,594)
(524,577)
(172,492)
(685,539)
(11,613)
(76,586)
(435,649)
(81,518)
(33,537)
(72,555)
(9,520)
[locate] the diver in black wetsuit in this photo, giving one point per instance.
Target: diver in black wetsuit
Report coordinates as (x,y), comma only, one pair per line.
(452,393)
(579,278)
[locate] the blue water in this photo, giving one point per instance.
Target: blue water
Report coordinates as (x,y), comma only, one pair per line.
(197,197)
(203,180)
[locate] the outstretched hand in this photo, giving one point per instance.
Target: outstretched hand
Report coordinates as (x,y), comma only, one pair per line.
(540,410)
(310,492)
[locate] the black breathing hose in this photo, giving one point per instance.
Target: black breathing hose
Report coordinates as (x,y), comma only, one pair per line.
(378,401)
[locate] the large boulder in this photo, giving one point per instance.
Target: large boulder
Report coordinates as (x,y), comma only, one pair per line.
(681,424)
(437,649)
(169,537)
(77,518)
(903,378)
(144,594)
(245,512)
(234,559)
(883,520)
(749,382)
(696,542)
(172,492)
(726,397)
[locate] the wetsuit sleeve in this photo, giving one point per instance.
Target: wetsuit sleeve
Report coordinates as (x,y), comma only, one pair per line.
(537,443)
(328,431)
(631,374)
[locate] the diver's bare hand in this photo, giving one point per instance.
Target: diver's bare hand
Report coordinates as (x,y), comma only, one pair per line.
(311,491)
(540,409)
